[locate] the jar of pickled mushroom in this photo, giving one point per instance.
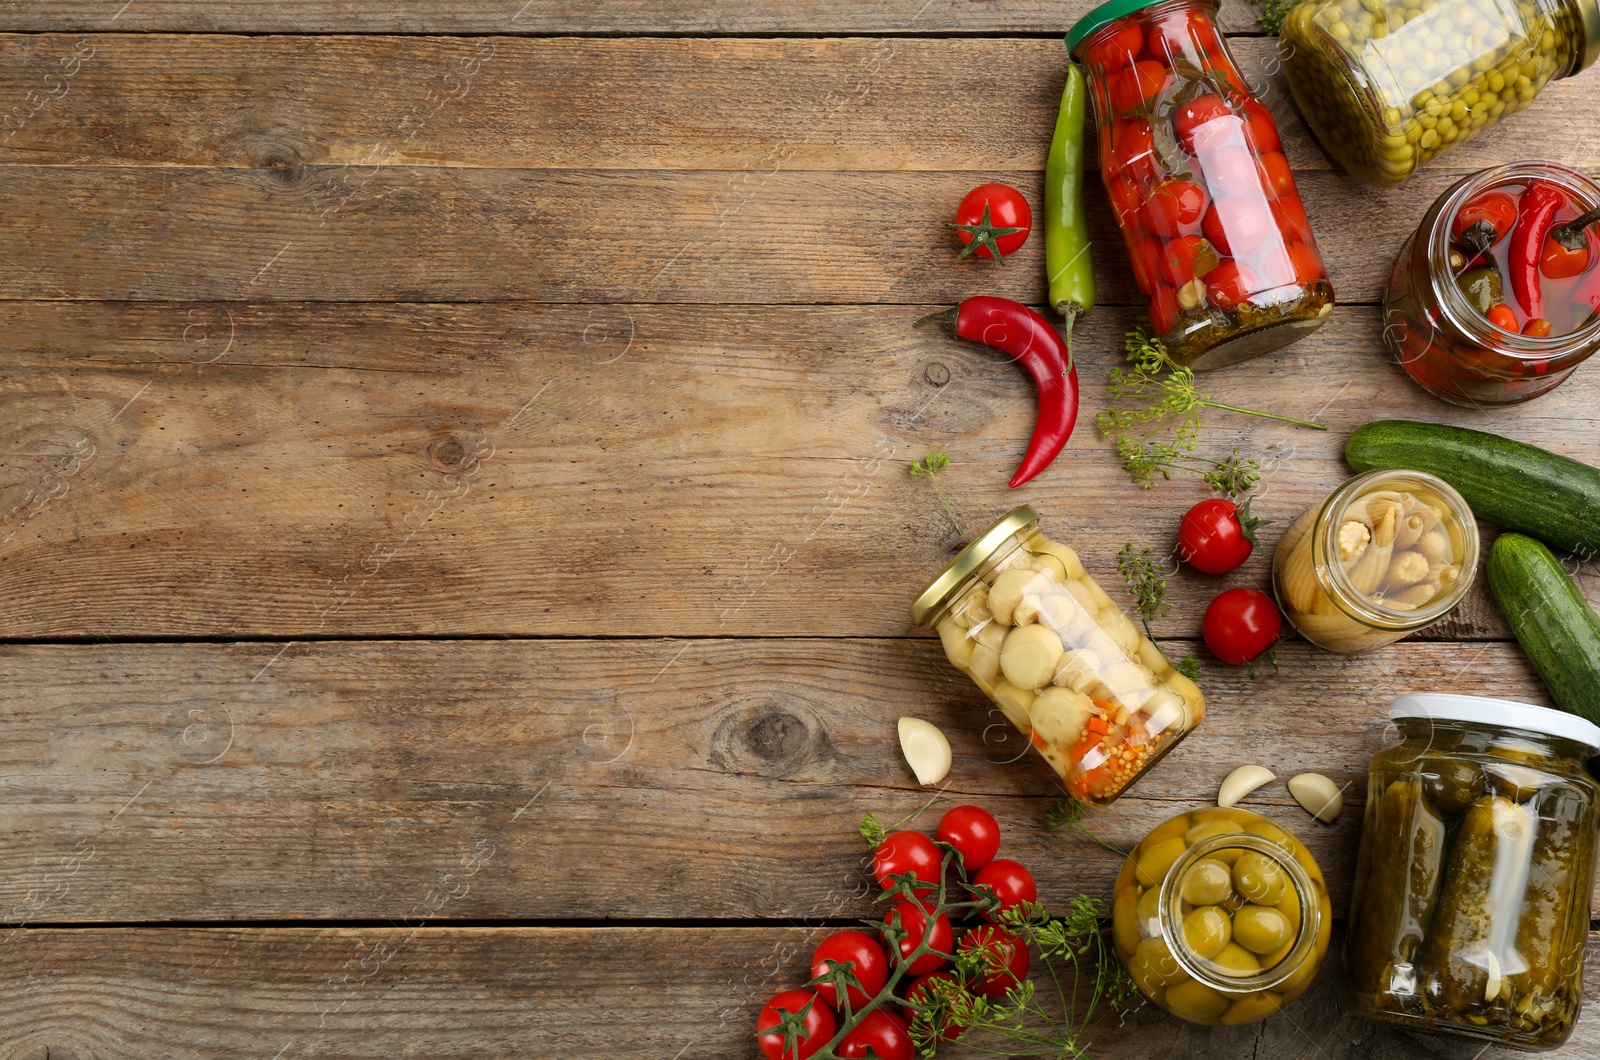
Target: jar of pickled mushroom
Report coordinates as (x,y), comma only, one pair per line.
(1199,184)
(1094,696)
(1387,85)
(1471,904)
(1388,553)
(1221,917)
(1495,298)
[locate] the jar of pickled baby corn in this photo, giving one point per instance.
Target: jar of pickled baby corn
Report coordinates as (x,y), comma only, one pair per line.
(1388,85)
(1019,615)
(1221,917)
(1388,553)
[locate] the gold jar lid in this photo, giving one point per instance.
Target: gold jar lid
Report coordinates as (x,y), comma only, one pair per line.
(969,560)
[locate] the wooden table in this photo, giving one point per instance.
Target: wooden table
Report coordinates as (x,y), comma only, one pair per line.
(457,534)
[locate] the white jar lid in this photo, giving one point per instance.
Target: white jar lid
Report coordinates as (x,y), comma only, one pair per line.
(1498,713)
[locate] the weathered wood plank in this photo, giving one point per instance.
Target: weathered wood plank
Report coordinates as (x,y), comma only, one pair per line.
(749,105)
(534,992)
(569,16)
(703,778)
(290,470)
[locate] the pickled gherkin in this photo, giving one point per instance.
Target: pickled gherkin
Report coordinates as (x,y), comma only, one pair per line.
(1397,884)
(1540,996)
(1388,85)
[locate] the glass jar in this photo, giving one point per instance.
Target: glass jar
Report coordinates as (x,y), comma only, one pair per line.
(1199,184)
(1446,344)
(1388,553)
(1095,697)
(1387,85)
(1471,904)
(1221,917)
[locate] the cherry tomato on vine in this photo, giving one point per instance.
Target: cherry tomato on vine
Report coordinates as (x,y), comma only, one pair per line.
(945,1028)
(1241,625)
(1005,959)
(871,967)
(882,1033)
(974,833)
(1007,881)
(993,221)
(812,1031)
(1217,536)
(914,918)
(908,852)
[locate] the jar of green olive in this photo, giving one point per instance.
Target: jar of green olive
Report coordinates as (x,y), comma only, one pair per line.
(1221,917)
(1069,670)
(1471,904)
(1389,84)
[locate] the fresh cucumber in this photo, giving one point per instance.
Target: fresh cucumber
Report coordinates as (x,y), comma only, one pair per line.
(1553,622)
(1518,486)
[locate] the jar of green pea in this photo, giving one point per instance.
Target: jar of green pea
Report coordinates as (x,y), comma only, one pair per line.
(1388,84)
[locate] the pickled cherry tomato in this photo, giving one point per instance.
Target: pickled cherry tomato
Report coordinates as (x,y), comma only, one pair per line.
(1260,129)
(1308,267)
(1231,170)
(1272,265)
(1229,284)
(1133,149)
(1238,226)
(1164,309)
(1195,113)
(1126,198)
(1182,34)
(1145,256)
(1175,205)
(1276,175)
(1137,85)
(1290,213)
(1227,73)
(1120,48)
(1178,265)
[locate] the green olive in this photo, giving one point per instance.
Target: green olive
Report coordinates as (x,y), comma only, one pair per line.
(1157,858)
(1196,1002)
(1149,911)
(1259,879)
(1261,929)
(1206,931)
(1249,1009)
(1206,882)
(1152,966)
(1236,961)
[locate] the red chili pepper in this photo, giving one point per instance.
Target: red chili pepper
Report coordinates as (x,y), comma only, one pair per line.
(1534,219)
(1538,328)
(1015,330)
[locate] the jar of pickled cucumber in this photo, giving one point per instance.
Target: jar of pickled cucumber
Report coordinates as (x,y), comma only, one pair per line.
(1388,84)
(1471,903)
(1221,917)
(1094,696)
(1388,553)
(1446,286)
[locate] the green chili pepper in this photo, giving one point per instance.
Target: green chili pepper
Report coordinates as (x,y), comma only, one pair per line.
(1483,287)
(1066,226)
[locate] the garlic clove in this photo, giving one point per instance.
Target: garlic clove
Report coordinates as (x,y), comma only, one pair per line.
(926,750)
(1241,782)
(1317,795)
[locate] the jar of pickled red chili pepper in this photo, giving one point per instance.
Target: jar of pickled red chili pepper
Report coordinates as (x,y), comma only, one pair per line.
(1387,85)
(1019,615)
(1447,281)
(1197,179)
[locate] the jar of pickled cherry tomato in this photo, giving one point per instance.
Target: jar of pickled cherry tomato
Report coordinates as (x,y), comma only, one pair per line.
(1018,614)
(1199,184)
(1221,917)
(1436,310)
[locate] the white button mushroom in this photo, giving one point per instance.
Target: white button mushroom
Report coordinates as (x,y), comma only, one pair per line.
(1007,591)
(1030,654)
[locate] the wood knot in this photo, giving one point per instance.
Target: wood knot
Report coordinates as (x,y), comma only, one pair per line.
(448,455)
(764,739)
(936,374)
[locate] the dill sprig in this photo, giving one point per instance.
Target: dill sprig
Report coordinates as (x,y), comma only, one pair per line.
(929,467)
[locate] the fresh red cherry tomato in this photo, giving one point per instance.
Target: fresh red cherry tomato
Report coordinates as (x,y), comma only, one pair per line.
(1118,49)
(1145,257)
(944,1027)
(1195,113)
(1490,216)
(974,833)
(1137,85)
(1133,148)
(1005,959)
(997,217)
(883,1034)
(1007,881)
(1163,308)
(1276,176)
(1175,205)
(914,918)
(1216,536)
(812,1033)
(1229,284)
(1241,625)
(1308,267)
(1260,129)
(870,966)
(908,852)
